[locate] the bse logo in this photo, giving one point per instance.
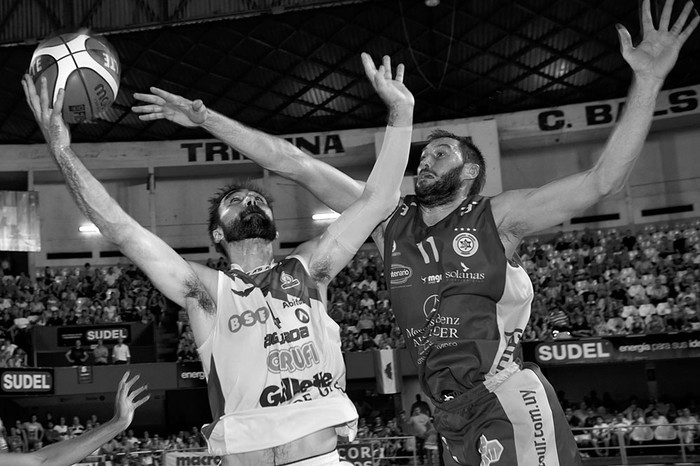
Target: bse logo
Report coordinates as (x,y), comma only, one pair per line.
(248,319)
(465,244)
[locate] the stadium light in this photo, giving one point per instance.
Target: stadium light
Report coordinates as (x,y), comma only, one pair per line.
(326,216)
(88,228)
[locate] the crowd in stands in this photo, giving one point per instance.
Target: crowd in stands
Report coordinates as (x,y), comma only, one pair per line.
(600,427)
(30,435)
(587,283)
(80,296)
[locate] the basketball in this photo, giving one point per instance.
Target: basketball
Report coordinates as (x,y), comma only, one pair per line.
(85,65)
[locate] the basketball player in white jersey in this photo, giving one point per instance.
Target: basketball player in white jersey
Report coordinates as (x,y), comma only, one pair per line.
(73,450)
(463,329)
(272,356)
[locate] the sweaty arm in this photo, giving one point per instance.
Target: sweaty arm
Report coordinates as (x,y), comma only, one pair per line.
(518,213)
(329,253)
(330,185)
(168,271)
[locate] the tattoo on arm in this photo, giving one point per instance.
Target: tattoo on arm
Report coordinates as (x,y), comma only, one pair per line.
(198,293)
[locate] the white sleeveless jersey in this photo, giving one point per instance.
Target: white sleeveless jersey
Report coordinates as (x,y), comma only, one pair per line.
(274,368)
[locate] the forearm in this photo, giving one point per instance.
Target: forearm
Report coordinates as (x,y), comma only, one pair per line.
(331,186)
(90,196)
(75,449)
(381,192)
(627,139)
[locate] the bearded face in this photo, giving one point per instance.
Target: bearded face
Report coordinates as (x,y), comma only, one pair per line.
(432,191)
(251,223)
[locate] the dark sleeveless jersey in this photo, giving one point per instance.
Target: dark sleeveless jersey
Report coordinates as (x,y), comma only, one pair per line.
(461,304)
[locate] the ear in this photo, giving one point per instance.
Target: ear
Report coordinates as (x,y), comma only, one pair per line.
(470,171)
(217,235)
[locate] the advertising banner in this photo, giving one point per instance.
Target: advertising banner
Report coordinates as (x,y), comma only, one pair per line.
(190,374)
(359,453)
(91,334)
(617,349)
(190,458)
(33,381)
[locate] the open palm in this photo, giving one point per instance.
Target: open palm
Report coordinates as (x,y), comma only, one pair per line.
(656,54)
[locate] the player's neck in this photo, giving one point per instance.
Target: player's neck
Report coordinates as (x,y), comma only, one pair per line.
(433,214)
(249,254)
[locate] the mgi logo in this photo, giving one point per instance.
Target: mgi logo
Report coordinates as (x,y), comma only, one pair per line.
(400,274)
(275,395)
(248,319)
(432,279)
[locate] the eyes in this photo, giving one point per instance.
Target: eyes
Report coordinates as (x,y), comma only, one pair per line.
(438,154)
(237,198)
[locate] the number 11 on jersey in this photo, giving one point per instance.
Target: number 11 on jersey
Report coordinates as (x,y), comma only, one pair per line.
(426,257)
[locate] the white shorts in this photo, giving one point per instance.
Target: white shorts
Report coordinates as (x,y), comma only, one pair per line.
(329,459)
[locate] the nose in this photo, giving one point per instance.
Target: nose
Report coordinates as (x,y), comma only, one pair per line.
(250,200)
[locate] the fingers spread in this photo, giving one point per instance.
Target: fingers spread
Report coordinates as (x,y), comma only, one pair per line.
(646,20)
(150,98)
(691,27)
(666,15)
(368,65)
(625,38)
(400,72)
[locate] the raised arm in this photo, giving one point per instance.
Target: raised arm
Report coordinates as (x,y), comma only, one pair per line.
(75,449)
(329,253)
(168,271)
(525,211)
(333,187)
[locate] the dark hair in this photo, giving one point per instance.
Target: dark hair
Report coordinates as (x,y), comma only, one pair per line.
(215,202)
(470,153)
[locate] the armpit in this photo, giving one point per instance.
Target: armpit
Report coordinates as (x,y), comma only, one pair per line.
(196,291)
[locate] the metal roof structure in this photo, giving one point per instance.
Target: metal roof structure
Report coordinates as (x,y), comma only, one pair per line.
(293,66)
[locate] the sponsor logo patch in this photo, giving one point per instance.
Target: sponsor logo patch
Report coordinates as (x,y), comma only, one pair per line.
(400,274)
(490,450)
(465,244)
(430,306)
(288,281)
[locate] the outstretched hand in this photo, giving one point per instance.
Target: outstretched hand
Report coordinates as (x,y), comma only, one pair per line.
(657,53)
(125,405)
(164,105)
(50,119)
(391,90)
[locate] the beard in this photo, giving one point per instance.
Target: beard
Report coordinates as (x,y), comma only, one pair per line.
(250,224)
(440,191)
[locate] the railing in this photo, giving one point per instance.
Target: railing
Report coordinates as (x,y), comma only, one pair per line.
(606,446)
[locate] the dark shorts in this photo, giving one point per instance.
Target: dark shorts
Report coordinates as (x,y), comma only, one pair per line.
(519,423)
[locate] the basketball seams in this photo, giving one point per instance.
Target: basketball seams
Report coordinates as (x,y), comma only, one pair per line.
(91,84)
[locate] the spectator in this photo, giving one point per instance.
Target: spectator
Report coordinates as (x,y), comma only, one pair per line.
(76,428)
(120,352)
(100,354)
(62,429)
(687,429)
(77,354)
(600,436)
(421,405)
(35,433)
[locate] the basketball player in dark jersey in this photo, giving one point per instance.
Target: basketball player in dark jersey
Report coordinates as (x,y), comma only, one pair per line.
(457,289)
